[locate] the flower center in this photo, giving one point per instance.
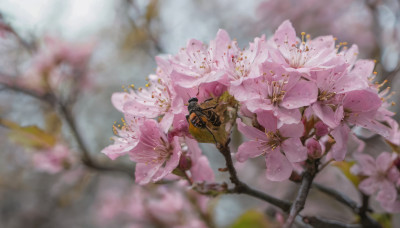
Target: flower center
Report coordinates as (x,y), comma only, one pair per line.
(297,54)
(276,91)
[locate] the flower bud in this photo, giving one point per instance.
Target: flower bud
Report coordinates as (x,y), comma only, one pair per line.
(314,149)
(321,129)
(396,163)
(185,163)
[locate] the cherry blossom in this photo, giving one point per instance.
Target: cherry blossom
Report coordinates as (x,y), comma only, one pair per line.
(381,177)
(280,146)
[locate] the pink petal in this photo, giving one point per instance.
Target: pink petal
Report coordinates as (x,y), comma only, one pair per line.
(351,54)
(250,132)
(250,149)
(387,192)
(327,115)
(267,120)
(341,136)
(302,94)
(384,161)
(118,100)
(366,120)
(201,170)
(369,186)
(367,164)
(117,149)
(292,130)
(288,116)
(278,167)
(363,68)
(285,32)
(362,101)
(166,121)
(258,104)
(294,150)
(323,42)
(137,108)
(145,172)
(173,161)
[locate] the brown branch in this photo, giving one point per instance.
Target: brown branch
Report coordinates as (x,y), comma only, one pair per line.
(366,220)
(298,204)
(51,99)
(326,223)
(242,188)
(86,158)
(344,199)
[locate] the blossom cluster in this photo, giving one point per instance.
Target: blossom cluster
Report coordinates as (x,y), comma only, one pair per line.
(297,99)
(380,176)
(56,63)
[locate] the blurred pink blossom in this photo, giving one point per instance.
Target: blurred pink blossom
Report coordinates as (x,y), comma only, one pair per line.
(381,177)
(53,160)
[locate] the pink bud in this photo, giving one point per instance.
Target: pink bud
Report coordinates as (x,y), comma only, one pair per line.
(321,129)
(396,163)
(185,163)
(313,148)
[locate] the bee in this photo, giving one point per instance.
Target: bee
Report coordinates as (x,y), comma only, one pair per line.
(199,116)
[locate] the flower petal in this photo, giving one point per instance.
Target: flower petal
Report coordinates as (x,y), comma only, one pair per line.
(369,186)
(278,167)
(341,136)
(250,149)
(294,150)
(285,32)
(302,94)
(250,132)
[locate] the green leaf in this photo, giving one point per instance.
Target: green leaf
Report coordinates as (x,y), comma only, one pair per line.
(252,218)
(29,136)
(384,219)
(345,166)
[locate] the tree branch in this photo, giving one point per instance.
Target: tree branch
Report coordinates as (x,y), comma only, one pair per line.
(326,223)
(51,99)
(86,158)
(298,204)
(366,220)
(344,199)
(242,188)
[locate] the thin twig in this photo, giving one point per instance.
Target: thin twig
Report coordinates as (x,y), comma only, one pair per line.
(86,158)
(326,223)
(50,99)
(298,204)
(242,188)
(338,196)
(366,220)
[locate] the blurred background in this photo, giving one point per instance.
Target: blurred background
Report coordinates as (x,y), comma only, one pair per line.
(105,46)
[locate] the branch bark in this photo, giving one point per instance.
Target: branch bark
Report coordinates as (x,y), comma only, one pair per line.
(344,199)
(298,204)
(326,223)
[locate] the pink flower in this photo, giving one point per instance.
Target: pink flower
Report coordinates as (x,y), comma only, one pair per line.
(280,146)
(156,100)
(155,155)
(302,55)
(361,107)
(279,91)
(381,176)
(127,137)
(199,63)
(332,85)
(53,160)
(246,63)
